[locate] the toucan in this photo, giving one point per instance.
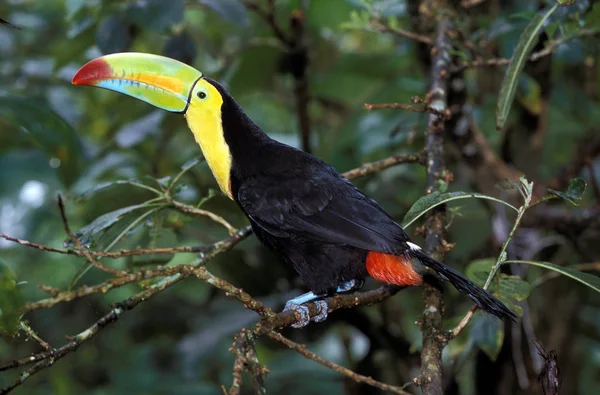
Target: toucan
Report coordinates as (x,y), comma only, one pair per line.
(298,206)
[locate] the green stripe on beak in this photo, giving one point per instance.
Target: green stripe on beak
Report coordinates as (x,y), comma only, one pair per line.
(163,82)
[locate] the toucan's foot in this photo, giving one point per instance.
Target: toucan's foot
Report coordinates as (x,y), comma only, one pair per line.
(323,307)
(299,310)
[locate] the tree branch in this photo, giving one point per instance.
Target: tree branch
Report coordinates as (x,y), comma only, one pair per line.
(113,255)
(298,64)
(431,323)
(183,271)
(379,25)
(296,53)
(80,248)
(174,274)
(419,108)
(301,349)
(245,358)
(185,208)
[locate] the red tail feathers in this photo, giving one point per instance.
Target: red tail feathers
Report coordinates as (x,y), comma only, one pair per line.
(393,269)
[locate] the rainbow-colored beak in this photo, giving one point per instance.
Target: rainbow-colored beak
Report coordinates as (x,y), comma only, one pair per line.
(163,82)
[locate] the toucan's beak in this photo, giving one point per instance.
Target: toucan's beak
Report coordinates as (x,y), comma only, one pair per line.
(163,82)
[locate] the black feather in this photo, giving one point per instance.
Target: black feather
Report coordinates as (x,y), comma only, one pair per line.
(480,296)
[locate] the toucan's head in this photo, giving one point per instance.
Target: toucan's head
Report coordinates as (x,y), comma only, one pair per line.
(163,82)
(173,86)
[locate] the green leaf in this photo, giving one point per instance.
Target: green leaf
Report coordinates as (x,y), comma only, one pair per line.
(479,270)
(111,228)
(574,192)
(488,333)
(427,202)
(517,63)
(511,290)
(48,131)
(10,300)
(513,287)
(110,184)
(90,232)
(589,280)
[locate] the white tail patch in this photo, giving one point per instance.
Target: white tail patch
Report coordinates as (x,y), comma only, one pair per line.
(413,246)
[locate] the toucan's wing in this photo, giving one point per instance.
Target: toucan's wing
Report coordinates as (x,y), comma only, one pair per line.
(323,207)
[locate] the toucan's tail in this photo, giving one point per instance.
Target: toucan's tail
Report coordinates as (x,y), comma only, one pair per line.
(480,296)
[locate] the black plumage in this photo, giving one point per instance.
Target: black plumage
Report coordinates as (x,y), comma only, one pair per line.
(313,217)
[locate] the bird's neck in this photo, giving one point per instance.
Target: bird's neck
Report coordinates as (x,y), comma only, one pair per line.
(228,139)
(208,132)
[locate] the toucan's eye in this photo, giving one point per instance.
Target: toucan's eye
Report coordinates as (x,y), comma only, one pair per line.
(201,95)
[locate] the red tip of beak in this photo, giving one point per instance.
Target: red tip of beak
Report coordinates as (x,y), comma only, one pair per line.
(91,72)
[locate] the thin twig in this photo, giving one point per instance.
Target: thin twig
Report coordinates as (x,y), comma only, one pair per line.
(297,53)
(463,323)
(501,258)
(31,333)
(116,312)
(359,378)
(280,320)
(144,274)
(547,51)
(113,255)
(373,167)
(187,209)
(470,3)
(28,373)
(297,60)
(230,290)
(80,247)
(419,108)
(246,358)
(379,25)
(268,16)
(7,23)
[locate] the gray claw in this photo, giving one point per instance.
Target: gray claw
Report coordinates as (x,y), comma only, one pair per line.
(298,310)
(323,307)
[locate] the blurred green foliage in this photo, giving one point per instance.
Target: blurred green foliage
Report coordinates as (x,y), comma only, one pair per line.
(97,148)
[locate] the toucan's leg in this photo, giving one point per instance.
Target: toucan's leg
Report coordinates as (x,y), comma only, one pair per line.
(298,300)
(323,311)
(345,287)
(296,305)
